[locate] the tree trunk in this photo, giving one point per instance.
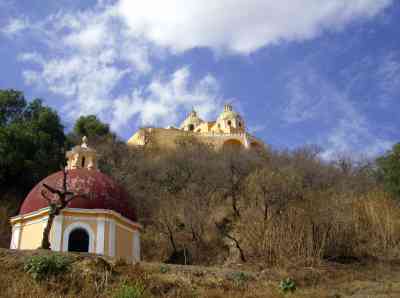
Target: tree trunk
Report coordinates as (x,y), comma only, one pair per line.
(265,210)
(234,206)
(171,239)
(242,256)
(47,229)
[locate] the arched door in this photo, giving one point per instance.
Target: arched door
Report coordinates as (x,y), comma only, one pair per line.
(78,240)
(232,144)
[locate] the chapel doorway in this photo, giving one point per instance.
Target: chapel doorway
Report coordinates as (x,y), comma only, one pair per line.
(78,241)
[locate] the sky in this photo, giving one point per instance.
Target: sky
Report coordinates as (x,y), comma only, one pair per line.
(300,72)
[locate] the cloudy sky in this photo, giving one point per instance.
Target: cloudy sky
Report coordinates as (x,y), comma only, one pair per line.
(299,71)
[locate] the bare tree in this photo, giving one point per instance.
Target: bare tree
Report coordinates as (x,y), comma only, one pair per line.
(237,165)
(59,201)
(274,189)
(223,228)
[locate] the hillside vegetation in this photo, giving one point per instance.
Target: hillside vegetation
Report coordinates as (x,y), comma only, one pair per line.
(199,206)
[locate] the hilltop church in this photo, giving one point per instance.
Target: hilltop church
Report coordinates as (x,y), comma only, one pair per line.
(229,130)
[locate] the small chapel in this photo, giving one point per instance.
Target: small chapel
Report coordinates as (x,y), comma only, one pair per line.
(102,221)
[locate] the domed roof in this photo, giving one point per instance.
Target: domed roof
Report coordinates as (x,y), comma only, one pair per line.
(192,119)
(102,192)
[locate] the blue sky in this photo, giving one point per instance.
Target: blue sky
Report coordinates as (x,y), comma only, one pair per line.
(299,71)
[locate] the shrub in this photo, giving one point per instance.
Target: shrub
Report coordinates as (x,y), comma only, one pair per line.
(239,278)
(287,285)
(41,267)
(135,290)
(164,269)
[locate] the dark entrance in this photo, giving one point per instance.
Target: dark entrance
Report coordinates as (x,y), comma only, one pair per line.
(78,241)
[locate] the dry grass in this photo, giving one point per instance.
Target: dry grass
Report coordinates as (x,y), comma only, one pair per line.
(324,227)
(92,276)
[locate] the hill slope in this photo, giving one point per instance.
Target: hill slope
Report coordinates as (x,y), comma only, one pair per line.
(94,276)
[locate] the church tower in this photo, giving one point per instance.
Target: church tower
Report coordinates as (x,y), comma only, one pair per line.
(191,122)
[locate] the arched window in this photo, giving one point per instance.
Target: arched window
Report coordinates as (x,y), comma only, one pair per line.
(229,122)
(83,162)
(78,240)
(191,127)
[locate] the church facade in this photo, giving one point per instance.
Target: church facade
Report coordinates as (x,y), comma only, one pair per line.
(229,130)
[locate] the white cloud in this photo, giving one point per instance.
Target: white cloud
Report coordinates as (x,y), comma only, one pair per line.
(161,101)
(87,56)
(312,97)
(237,25)
(381,71)
(87,82)
(32,57)
(15,26)
(388,78)
(89,38)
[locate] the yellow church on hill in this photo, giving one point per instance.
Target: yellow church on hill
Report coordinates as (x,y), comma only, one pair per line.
(229,130)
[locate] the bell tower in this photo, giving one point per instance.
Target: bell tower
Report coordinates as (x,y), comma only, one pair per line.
(82,157)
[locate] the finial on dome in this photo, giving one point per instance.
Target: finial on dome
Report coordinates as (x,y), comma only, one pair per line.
(193,113)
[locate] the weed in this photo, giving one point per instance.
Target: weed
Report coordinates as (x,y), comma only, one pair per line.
(41,267)
(164,268)
(239,278)
(287,285)
(135,290)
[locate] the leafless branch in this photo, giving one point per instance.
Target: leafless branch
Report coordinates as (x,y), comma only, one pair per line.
(44,195)
(52,190)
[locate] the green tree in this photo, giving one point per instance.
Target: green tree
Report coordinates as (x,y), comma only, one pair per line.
(31,141)
(12,103)
(91,127)
(389,170)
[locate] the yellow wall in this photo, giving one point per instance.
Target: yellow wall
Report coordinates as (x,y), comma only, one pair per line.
(31,234)
(124,243)
(31,231)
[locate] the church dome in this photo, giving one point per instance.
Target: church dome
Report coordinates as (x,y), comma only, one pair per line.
(191,122)
(230,121)
(102,193)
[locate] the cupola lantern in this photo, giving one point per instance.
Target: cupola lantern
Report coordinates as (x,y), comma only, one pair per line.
(82,157)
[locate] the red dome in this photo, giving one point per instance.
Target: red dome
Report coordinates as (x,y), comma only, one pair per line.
(102,191)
